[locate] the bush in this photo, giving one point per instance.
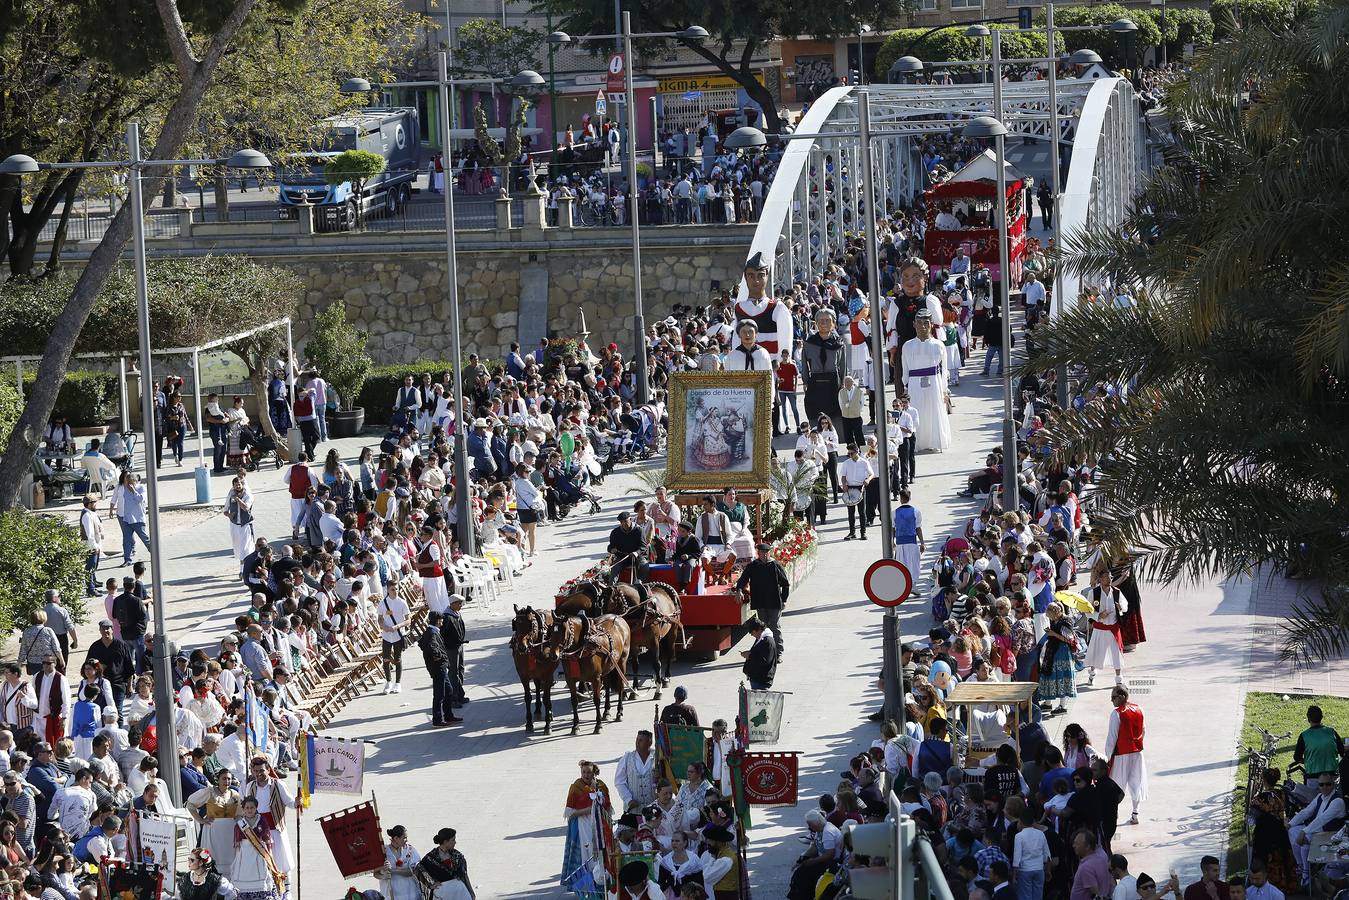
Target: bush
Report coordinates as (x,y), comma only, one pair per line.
(86,397)
(950,44)
(338,350)
(38,552)
(11,407)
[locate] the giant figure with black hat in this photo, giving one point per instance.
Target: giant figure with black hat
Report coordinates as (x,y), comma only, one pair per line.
(924,368)
(772,317)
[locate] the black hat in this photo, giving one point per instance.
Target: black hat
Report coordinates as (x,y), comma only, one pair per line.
(718,834)
(624,516)
(634,873)
(756,262)
(764,546)
(688,525)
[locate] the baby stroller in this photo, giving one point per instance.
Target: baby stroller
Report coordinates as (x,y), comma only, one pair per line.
(245,448)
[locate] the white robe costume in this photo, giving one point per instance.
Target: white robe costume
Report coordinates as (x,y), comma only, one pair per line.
(927,391)
(1103,649)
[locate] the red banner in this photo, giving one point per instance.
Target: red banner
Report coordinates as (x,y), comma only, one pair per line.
(770,778)
(354,837)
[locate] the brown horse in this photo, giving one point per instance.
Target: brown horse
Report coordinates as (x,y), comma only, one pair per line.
(592,651)
(535,663)
(654,622)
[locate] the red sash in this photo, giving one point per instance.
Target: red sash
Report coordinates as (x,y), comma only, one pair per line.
(1114,629)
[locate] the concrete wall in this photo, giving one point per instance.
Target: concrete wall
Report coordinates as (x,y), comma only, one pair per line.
(515,284)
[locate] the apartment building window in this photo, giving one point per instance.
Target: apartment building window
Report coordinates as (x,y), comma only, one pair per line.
(927,5)
(967,4)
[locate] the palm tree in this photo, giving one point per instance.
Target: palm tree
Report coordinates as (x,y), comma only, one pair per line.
(1220,409)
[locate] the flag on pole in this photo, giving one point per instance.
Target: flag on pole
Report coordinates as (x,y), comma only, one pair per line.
(257,722)
(739,795)
(304,749)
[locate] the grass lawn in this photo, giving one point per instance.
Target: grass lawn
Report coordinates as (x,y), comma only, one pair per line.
(1276,716)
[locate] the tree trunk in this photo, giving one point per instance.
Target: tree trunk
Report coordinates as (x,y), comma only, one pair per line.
(171,190)
(222,197)
(59,239)
(51,372)
(257,376)
(745,78)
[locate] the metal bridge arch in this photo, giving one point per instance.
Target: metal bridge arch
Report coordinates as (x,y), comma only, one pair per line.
(815,196)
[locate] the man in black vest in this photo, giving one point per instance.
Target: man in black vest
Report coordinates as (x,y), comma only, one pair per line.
(768,590)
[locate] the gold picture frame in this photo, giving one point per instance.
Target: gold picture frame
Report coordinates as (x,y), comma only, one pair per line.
(721,430)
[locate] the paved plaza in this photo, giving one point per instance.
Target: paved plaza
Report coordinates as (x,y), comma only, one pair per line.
(504,789)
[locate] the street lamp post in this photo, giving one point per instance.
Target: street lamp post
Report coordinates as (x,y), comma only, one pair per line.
(161,651)
(444,85)
(692,34)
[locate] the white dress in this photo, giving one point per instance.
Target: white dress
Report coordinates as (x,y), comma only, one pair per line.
(248,870)
(1103,651)
(927,392)
(403,887)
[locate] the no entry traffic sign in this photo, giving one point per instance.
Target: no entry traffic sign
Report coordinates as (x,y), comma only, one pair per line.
(887,582)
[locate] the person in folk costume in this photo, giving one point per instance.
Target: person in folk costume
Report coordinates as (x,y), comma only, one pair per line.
(203,879)
(721,865)
(1124,739)
(913,297)
(587,800)
(910,545)
(635,775)
(254,872)
(748,355)
(448,868)
(52,690)
(859,345)
(273,799)
(239,510)
(1106,645)
(215,808)
(773,317)
(823,361)
(923,361)
(1131,613)
(396,879)
(716,749)
(432,571)
(634,883)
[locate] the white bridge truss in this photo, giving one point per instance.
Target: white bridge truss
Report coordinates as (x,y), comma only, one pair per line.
(814,197)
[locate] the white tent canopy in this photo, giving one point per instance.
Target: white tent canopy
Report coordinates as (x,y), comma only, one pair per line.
(984,167)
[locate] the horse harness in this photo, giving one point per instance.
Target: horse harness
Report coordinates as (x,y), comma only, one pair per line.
(524,643)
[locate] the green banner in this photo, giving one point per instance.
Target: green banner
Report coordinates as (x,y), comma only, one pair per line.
(686,747)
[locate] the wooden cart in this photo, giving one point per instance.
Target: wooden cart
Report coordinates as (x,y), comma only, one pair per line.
(1019,695)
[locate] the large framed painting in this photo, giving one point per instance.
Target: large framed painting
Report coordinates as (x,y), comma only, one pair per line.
(721,430)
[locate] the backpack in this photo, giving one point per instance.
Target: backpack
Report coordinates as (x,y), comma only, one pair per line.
(939,611)
(946,572)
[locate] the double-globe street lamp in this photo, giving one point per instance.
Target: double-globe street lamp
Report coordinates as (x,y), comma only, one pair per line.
(524,80)
(993,128)
(694,34)
(20,165)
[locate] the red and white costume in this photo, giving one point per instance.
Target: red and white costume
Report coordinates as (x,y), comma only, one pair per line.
(859,351)
(1125,740)
(1105,649)
(774,320)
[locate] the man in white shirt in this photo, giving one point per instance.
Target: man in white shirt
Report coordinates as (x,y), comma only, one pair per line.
(1030,857)
(330,525)
(1126,885)
(91,530)
(1315,816)
(1035,296)
(393,621)
(1258,886)
(908,427)
(635,778)
(855,472)
(130,498)
(947,221)
(75,803)
(826,844)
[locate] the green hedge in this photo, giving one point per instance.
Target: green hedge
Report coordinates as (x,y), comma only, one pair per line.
(383,382)
(87,398)
(38,552)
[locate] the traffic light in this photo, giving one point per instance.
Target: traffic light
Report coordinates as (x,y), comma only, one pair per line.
(880,842)
(854,76)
